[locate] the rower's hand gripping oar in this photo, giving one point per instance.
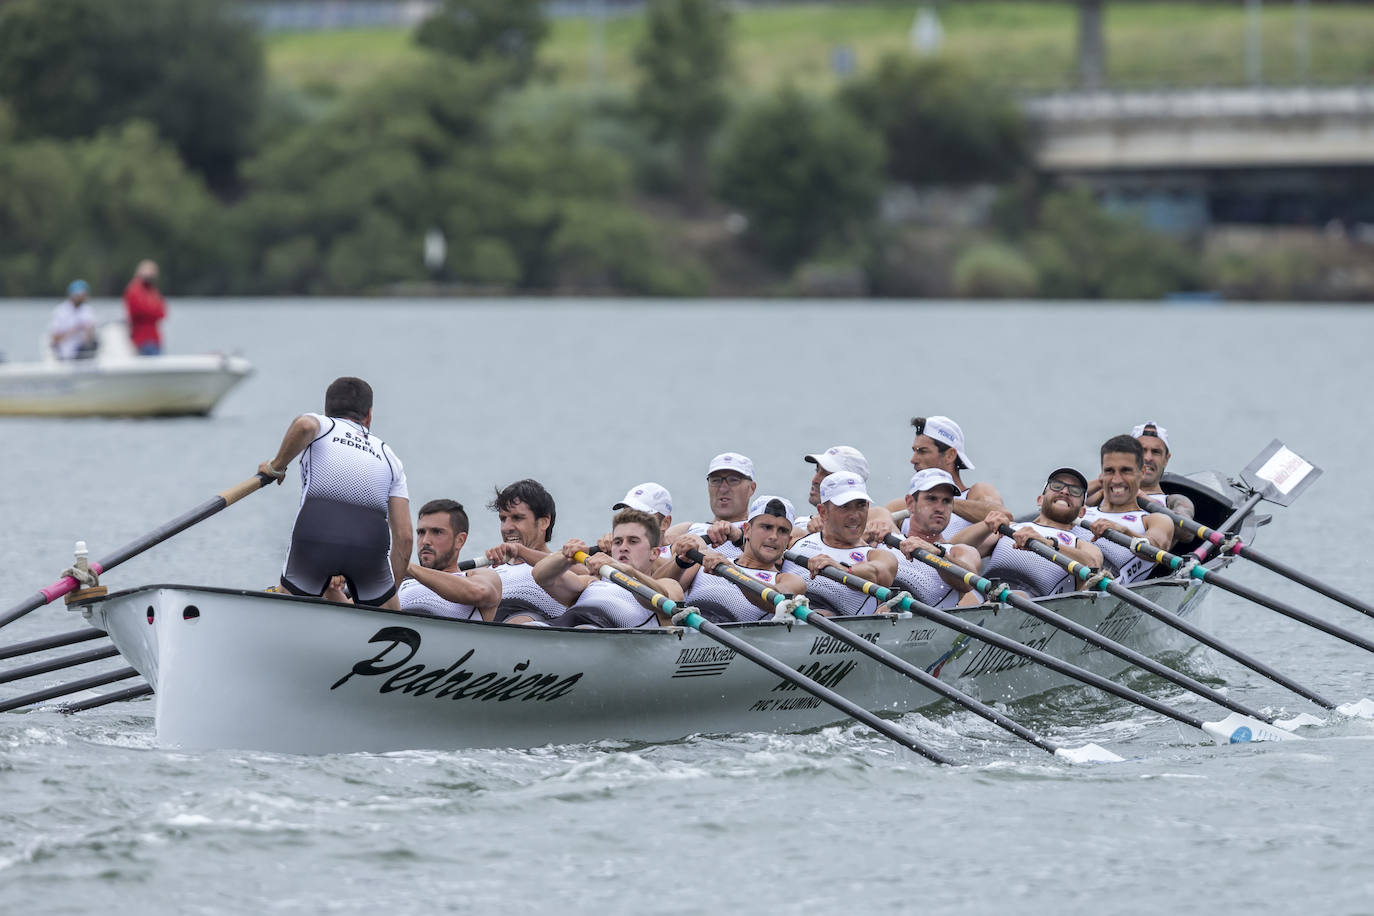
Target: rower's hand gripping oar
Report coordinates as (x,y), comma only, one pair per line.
(1003,593)
(1237,548)
(1363,708)
(134,548)
(1103,582)
(694,620)
(800,610)
(1234,729)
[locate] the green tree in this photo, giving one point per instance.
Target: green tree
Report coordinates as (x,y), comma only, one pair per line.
(189,67)
(684,61)
(479,30)
(803,171)
(941,123)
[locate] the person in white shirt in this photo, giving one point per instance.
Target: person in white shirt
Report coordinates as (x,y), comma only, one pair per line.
(71,332)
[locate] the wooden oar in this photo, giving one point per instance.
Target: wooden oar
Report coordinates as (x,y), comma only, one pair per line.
(57,664)
(134,548)
(1003,593)
(1363,708)
(1085,754)
(62,690)
(128,693)
(1170,619)
(697,622)
(51,642)
(1239,549)
(1234,729)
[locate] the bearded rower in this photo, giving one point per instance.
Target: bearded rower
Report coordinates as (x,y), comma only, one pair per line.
(1010,560)
(591,600)
(767,533)
(844,514)
(1123,464)
(929,500)
(435,586)
(527,513)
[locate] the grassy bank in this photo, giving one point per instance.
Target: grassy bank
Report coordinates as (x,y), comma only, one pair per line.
(1024,45)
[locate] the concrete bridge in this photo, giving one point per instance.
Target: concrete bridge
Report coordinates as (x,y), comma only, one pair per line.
(1205,129)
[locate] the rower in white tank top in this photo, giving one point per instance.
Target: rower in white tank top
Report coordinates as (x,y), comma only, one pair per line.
(520,594)
(1024,571)
(924,583)
(1126,565)
(415,596)
(606,605)
(956,523)
(827,594)
(721,601)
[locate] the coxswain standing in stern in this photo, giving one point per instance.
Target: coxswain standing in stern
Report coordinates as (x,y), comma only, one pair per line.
(591,600)
(527,513)
(767,532)
(434,585)
(844,514)
(1123,463)
(354,516)
(929,499)
(1010,560)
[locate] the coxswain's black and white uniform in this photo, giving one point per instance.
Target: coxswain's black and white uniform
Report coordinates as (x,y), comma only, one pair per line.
(607,605)
(1124,564)
(347,477)
(923,582)
(827,594)
(415,596)
(956,524)
(721,601)
(730,550)
(520,594)
(1024,571)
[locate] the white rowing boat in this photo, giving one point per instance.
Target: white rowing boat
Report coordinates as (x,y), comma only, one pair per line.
(275,672)
(119,382)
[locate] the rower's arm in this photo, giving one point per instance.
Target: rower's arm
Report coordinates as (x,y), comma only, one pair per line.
(1159,530)
(975,510)
(480,588)
(555,574)
(1085,552)
(880,567)
(299,435)
(402,535)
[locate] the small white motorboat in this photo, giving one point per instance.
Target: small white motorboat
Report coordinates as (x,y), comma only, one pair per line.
(117,382)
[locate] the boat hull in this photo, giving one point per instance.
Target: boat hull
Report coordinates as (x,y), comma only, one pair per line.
(143,386)
(252,670)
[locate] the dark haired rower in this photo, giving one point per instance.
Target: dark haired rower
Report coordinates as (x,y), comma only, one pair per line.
(527,513)
(354,517)
(435,585)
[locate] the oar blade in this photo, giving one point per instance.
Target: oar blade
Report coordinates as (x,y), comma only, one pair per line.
(1238,729)
(1298,721)
(1361,709)
(1088,753)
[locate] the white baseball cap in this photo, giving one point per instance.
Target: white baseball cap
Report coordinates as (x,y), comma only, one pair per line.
(731,461)
(1151,429)
(844,487)
(841,458)
(945,430)
(761,504)
(647,497)
(929,479)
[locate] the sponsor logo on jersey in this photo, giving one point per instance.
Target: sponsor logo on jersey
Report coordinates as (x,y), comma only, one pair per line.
(857,556)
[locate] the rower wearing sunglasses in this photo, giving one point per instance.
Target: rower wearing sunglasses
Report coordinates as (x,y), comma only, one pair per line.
(1009,559)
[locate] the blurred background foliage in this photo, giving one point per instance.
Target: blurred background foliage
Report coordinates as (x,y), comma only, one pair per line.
(317,163)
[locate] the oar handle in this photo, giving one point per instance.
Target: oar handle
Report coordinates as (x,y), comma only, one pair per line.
(474,563)
(206,509)
(1184,523)
(741,579)
(657,601)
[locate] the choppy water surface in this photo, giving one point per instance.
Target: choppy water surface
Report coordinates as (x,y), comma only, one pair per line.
(593,397)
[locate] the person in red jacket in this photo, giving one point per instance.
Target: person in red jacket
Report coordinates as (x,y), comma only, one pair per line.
(146,308)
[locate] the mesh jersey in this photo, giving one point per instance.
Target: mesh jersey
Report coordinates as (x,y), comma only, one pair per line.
(520,594)
(923,582)
(730,550)
(347,464)
(605,604)
(1125,564)
(415,596)
(722,601)
(1024,571)
(825,593)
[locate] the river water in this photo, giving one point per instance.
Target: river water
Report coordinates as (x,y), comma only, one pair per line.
(591,397)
